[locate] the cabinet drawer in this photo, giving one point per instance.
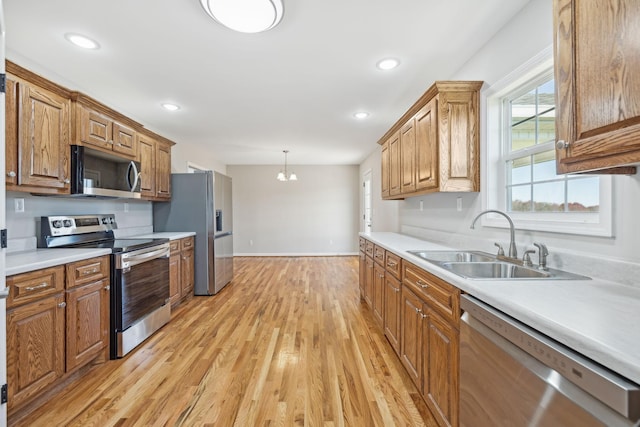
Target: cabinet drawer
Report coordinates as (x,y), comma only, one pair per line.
(362,242)
(87,271)
(174,245)
(393,264)
(187,243)
(378,254)
(31,286)
(440,295)
(368,248)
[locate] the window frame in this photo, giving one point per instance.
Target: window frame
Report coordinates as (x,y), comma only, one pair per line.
(532,72)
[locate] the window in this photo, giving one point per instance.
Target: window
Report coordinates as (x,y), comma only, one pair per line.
(521,167)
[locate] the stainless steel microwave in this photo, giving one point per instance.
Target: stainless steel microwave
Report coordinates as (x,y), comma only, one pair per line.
(99,174)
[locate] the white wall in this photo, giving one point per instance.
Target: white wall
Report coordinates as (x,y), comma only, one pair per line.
(384,213)
(522,39)
(184,152)
(316,215)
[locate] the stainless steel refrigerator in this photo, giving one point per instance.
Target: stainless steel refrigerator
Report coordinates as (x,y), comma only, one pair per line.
(201,202)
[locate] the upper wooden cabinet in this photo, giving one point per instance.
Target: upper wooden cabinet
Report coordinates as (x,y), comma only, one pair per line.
(37,133)
(435,145)
(597,73)
(155,165)
(101,127)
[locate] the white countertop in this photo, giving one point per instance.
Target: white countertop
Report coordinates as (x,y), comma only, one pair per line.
(23,262)
(171,235)
(598,319)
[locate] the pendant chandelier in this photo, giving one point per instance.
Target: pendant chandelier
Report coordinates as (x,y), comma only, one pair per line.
(282,175)
(245,16)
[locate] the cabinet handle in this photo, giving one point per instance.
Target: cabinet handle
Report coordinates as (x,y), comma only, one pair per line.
(418,310)
(396,290)
(106,288)
(110,142)
(36,287)
(62,304)
(391,264)
(422,284)
(11,174)
(562,145)
(66,181)
(95,270)
(424,316)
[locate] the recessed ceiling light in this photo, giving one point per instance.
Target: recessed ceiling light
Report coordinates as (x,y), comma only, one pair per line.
(361,115)
(82,41)
(170,107)
(246,16)
(388,64)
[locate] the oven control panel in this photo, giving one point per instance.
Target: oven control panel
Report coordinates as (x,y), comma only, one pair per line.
(60,225)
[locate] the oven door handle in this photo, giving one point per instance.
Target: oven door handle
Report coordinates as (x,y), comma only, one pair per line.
(130,259)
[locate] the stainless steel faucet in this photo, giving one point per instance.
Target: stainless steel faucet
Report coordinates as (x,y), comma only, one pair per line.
(513,252)
(542,256)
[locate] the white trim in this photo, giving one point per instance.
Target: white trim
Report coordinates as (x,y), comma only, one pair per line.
(494,185)
(192,167)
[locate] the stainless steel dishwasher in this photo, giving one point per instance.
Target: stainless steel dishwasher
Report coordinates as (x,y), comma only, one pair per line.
(511,375)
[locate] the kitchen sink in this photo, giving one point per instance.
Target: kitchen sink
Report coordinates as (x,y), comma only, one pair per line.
(454,256)
(478,265)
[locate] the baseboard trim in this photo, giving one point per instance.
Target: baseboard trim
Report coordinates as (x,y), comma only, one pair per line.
(314,254)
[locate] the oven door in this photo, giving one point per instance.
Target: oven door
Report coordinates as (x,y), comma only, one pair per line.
(140,285)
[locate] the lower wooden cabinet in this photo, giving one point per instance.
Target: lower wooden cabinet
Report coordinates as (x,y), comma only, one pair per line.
(35,348)
(362,274)
(181,270)
(368,282)
(378,293)
(175,276)
(187,273)
(392,306)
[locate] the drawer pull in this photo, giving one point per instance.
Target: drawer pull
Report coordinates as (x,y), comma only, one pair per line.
(36,287)
(424,316)
(391,264)
(418,310)
(106,288)
(422,284)
(62,304)
(92,271)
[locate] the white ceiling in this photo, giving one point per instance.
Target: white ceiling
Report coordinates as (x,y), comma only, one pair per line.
(249,96)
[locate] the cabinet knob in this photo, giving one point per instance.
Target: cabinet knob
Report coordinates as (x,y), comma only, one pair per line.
(422,284)
(66,181)
(11,174)
(418,310)
(562,145)
(62,304)
(106,288)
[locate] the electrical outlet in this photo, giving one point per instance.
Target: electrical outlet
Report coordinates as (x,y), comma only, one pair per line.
(126,207)
(459,204)
(421,205)
(250,242)
(19,205)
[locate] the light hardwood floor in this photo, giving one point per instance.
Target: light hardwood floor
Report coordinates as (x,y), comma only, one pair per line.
(286,343)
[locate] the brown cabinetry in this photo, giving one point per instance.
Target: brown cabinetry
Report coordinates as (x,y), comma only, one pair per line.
(37,133)
(385,158)
(362,268)
(378,293)
(155,165)
(392,304)
(436,143)
(597,81)
(99,126)
(35,333)
(181,270)
(187,267)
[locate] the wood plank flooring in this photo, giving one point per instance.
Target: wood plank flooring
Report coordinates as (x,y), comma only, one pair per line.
(286,343)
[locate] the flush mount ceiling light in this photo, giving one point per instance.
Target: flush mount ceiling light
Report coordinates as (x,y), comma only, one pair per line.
(245,16)
(388,63)
(360,115)
(170,107)
(282,175)
(82,41)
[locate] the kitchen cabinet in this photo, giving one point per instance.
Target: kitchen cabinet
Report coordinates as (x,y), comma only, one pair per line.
(38,130)
(35,333)
(392,304)
(430,340)
(103,128)
(87,313)
(378,293)
(362,268)
(155,165)
(437,145)
(597,81)
(187,270)
(385,159)
(175,275)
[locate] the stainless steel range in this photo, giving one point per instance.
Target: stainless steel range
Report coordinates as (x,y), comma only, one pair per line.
(139,274)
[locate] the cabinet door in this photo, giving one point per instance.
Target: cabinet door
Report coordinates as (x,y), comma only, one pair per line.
(147,148)
(394,165)
(384,169)
(441,371)
(392,311)
(458,124)
(163,171)
(408,158)
(363,272)
(11,132)
(43,119)
(35,348)
(94,128)
(427,146)
(87,322)
(378,294)
(187,272)
(411,336)
(124,140)
(597,83)
(368,283)
(175,278)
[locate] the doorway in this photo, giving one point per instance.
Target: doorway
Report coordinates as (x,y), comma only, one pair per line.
(366,192)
